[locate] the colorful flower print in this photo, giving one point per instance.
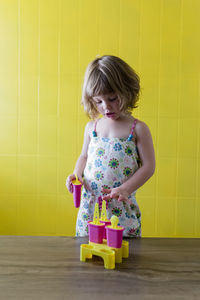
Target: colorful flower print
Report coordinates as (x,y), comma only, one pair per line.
(132,206)
(127,215)
(105,187)
(138,215)
(85,217)
(117,211)
(113,163)
(86,205)
(89,166)
(98,163)
(105,139)
(98,175)
(116,184)
(86,229)
(117,147)
(127,171)
(80,223)
(94,186)
(85,195)
(100,152)
(129,151)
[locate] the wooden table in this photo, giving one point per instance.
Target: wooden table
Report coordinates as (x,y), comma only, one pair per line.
(49,268)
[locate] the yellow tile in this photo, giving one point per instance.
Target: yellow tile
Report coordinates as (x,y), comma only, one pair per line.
(166,177)
(29,95)
(147,208)
(66,220)
(109,14)
(68,138)
(65,168)
(90,30)
(8,135)
(149,90)
(167,137)
(9,53)
(185,217)
(48,95)
(46,213)
(28,135)
(8,218)
(49,37)
(69,100)
(190,44)
(129,26)
(170,39)
(27,175)
(197,215)
(27,218)
(169,97)
(8,94)
(8,183)
(47,175)
(165,220)
(189,90)
(150,37)
(48,135)
(9,201)
(186,180)
(188,137)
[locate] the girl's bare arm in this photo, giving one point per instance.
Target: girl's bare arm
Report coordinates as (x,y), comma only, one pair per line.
(81,161)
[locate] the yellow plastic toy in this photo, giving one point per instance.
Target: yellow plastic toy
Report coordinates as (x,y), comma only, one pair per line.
(96,215)
(110,255)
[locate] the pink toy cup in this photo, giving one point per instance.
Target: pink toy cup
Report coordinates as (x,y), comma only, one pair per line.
(96,232)
(114,237)
(107,223)
(76,194)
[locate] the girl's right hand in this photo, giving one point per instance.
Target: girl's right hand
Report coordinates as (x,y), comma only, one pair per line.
(69,181)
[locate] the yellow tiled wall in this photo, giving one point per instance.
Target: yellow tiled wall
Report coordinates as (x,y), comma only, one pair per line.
(45,48)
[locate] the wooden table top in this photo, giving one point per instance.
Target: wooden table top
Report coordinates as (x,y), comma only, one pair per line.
(50,268)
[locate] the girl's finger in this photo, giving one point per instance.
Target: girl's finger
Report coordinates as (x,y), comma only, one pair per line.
(107,197)
(106,191)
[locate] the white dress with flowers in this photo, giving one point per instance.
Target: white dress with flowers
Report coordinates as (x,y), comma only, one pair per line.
(111,161)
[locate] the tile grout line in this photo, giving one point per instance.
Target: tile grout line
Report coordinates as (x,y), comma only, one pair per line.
(58,113)
(178,127)
(18,109)
(38,120)
(157,123)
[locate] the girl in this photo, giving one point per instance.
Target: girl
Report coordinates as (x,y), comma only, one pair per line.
(117,155)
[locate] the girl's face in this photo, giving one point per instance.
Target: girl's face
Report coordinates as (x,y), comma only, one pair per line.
(108,105)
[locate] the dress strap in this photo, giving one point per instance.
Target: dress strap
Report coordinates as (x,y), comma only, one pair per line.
(94,132)
(132,129)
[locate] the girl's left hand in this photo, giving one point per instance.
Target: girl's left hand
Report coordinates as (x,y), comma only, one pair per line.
(117,193)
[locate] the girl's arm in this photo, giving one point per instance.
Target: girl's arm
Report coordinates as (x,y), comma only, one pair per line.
(147,157)
(81,162)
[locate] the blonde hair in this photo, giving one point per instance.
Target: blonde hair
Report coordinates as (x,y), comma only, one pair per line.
(110,74)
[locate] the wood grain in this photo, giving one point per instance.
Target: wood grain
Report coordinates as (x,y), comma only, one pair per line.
(49,268)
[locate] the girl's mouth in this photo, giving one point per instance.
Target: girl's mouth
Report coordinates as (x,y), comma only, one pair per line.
(110,115)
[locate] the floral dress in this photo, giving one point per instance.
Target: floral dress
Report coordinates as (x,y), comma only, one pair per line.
(111,161)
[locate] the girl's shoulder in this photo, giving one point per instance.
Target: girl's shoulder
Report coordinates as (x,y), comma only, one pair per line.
(141,129)
(89,128)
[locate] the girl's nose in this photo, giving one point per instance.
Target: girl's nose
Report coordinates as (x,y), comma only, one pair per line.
(106,105)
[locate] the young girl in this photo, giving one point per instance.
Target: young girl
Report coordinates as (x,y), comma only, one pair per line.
(117,155)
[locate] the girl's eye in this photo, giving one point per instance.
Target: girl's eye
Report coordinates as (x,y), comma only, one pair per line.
(113,99)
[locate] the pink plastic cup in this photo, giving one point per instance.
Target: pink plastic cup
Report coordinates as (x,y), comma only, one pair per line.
(114,237)
(96,232)
(107,223)
(77,194)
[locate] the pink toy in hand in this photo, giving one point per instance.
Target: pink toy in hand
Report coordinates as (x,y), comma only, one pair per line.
(76,185)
